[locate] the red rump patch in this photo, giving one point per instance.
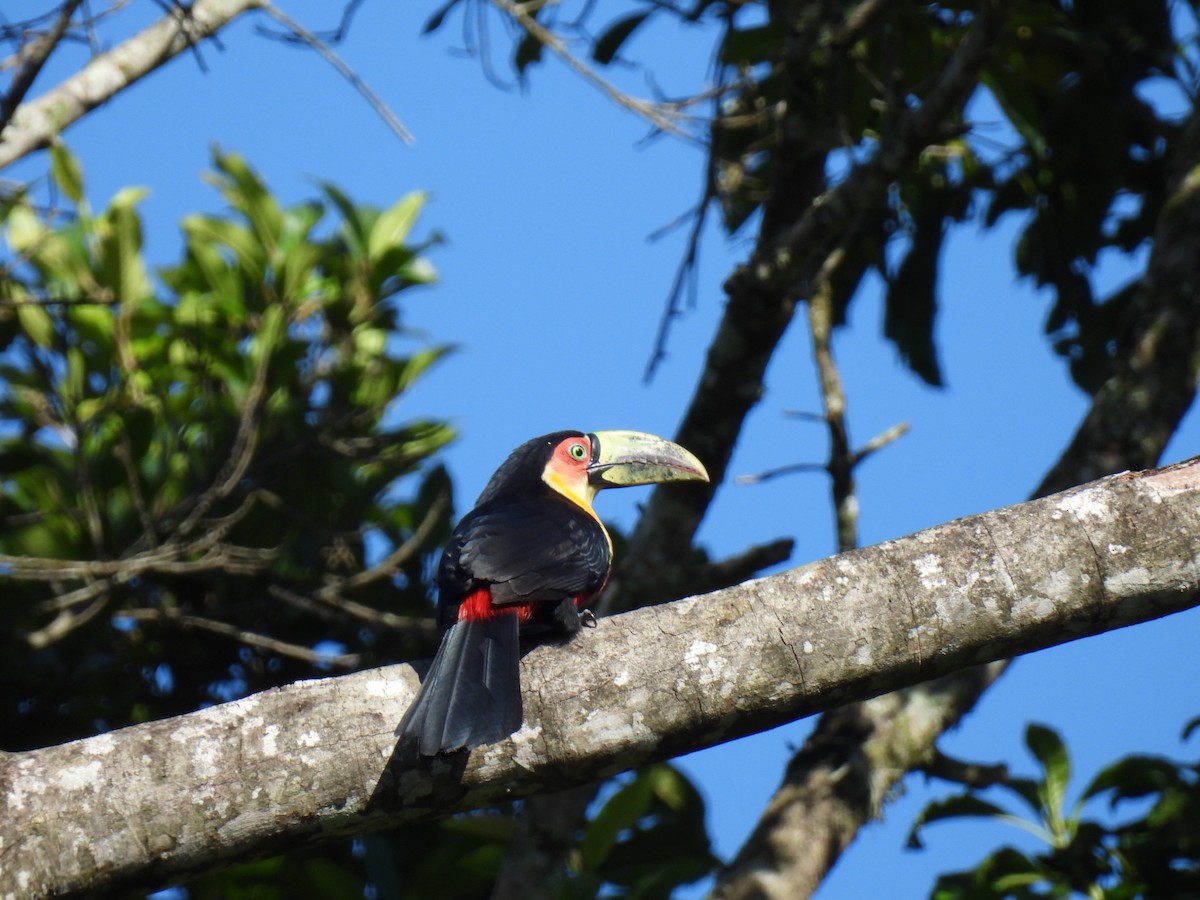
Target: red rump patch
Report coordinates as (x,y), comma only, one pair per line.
(477,605)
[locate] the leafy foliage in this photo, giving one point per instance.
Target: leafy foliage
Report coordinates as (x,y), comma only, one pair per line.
(198,470)
(1084,183)
(1153,853)
(648,838)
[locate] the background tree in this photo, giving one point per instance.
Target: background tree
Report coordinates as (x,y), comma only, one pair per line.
(839,134)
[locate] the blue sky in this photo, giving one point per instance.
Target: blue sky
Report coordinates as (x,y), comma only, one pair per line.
(551,291)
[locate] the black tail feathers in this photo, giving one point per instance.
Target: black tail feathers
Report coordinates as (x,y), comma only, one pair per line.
(472,694)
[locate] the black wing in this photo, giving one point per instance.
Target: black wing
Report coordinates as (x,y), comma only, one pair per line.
(536,549)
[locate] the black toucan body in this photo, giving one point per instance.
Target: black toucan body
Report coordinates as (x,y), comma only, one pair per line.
(524,560)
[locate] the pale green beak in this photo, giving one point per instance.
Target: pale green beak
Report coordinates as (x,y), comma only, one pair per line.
(625,458)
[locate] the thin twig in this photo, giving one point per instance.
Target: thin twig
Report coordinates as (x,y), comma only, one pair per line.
(687,266)
(387,566)
(166,559)
(250,638)
(974,775)
(769,474)
(336,36)
(326,52)
(652,112)
(66,622)
(32,60)
(833,399)
(422,629)
(880,441)
(740,567)
(240,455)
(39,121)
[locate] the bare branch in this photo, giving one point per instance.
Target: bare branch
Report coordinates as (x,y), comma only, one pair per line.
(325,51)
(391,563)
(423,630)
(31,61)
(874,743)
(67,620)
(35,124)
(841,459)
(312,759)
(881,440)
(665,118)
(974,775)
(249,638)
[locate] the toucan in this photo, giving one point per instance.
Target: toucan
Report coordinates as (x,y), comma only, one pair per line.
(524,561)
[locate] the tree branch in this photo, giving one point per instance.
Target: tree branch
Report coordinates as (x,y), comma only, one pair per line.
(148,805)
(31,60)
(841,777)
(34,125)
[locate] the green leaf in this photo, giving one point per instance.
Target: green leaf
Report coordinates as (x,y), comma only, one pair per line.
(354,220)
(1048,747)
(1029,791)
(393,225)
(66,172)
(25,230)
(751,46)
(1190,728)
(249,251)
(246,193)
(121,246)
(1134,776)
(622,811)
(609,43)
(957,807)
(417,364)
(528,52)
(36,323)
(434,22)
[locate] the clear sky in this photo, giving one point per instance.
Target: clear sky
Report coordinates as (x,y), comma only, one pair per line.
(552,292)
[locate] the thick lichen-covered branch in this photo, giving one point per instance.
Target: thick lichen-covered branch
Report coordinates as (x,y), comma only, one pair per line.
(144,806)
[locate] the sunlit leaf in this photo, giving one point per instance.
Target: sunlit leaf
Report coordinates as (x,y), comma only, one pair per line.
(1048,747)
(66,172)
(36,323)
(393,225)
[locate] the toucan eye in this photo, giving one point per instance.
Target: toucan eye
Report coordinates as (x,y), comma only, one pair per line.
(578,451)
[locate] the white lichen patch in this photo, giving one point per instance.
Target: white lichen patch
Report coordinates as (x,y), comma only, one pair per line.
(930,571)
(525,751)
(385,687)
(22,788)
(1117,549)
(1058,584)
(602,725)
(807,647)
(100,745)
(203,749)
(807,574)
(74,778)
(1086,504)
(269,745)
(1130,581)
(309,738)
(693,659)
(782,690)
(862,654)
(621,679)
(702,657)
(1033,607)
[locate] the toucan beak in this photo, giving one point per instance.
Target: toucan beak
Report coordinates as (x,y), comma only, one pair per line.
(624,458)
